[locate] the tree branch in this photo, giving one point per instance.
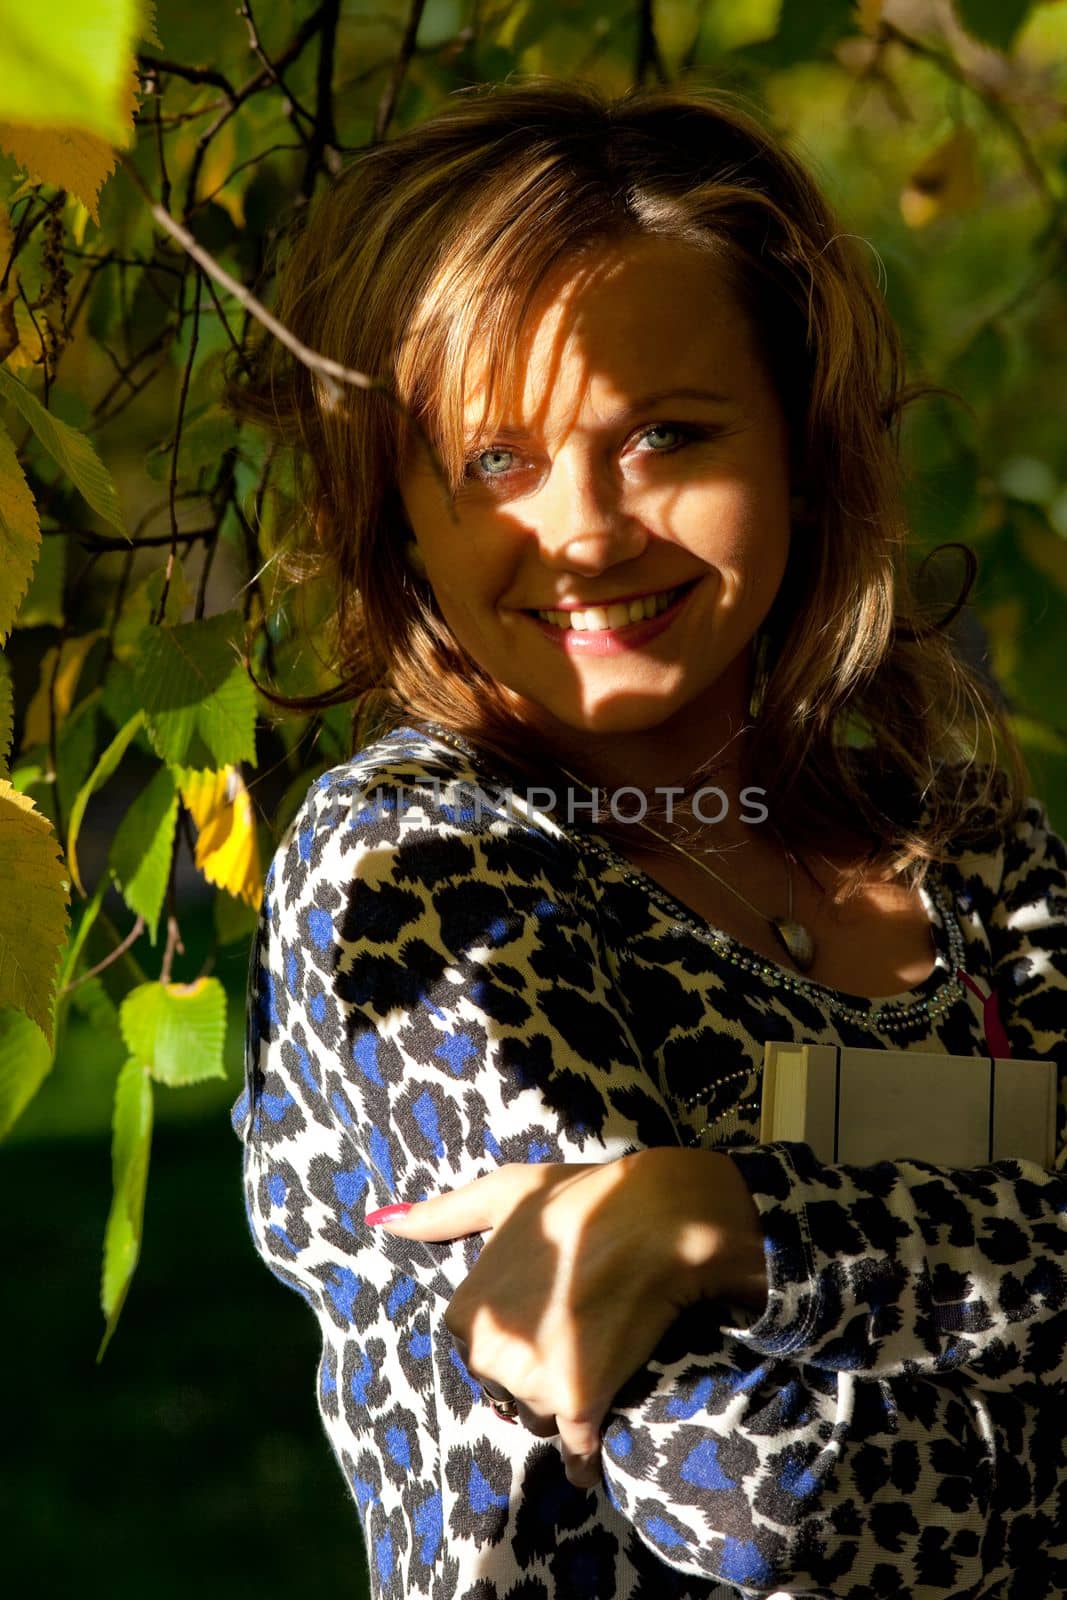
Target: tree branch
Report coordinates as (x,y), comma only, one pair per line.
(387,104)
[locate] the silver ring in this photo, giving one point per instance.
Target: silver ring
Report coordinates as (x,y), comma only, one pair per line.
(504,1405)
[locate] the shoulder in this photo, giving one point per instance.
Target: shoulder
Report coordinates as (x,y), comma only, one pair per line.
(423,809)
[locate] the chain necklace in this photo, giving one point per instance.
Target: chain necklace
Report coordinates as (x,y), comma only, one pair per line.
(793,936)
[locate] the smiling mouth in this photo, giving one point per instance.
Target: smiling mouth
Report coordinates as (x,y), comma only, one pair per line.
(603,619)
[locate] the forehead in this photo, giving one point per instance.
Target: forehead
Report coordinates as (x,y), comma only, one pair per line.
(642,315)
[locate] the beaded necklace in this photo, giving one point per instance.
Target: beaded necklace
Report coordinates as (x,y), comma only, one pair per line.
(891,1017)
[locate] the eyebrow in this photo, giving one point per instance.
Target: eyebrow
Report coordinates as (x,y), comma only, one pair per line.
(644,403)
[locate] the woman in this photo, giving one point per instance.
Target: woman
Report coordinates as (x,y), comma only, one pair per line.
(618,1347)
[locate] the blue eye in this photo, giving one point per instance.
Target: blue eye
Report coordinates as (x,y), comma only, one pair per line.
(491,463)
(663,427)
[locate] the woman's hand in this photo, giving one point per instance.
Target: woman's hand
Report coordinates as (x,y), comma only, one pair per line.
(586,1268)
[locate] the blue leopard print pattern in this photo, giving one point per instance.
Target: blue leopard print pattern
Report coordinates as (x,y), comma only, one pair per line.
(438,987)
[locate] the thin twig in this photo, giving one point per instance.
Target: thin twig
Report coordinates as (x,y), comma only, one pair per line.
(322,150)
(295,108)
(323,365)
(191,74)
(172,499)
(387,103)
(648,51)
(119,950)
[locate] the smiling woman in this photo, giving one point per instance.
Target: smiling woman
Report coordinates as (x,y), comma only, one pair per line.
(641,518)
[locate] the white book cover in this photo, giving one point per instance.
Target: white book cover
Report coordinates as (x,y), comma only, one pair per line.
(860,1106)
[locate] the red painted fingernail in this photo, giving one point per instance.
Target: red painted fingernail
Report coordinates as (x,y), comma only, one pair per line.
(385,1214)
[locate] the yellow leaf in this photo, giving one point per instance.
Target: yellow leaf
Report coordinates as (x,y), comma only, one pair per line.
(34,904)
(20,534)
(70,158)
(29,350)
(227,848)
(870,14)
(219,162)
(71,661)
(945,181)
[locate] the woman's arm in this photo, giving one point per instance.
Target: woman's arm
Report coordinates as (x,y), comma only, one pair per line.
(780,1433)
(906,1267)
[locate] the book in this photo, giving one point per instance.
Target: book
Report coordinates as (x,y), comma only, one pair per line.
(861,1105)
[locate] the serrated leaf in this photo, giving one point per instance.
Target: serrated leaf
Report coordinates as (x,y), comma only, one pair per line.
(141,850)
(103,770)
(140,607)
(25,1061)
(69,156)
(71,450)
(7,716)
(34,902)
(199,701)
(227,849)
(131,1141)
(56,686)
(995,22)
(66,63)
(42,604)
(20,533)
(177,1030)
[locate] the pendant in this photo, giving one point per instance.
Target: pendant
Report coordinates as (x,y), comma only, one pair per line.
(796,939)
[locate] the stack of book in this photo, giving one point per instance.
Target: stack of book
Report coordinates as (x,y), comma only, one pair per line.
(860,1106)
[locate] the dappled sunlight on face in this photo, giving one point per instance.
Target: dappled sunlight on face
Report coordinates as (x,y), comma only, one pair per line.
(642,447)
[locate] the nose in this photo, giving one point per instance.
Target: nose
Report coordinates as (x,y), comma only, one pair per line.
(583,524)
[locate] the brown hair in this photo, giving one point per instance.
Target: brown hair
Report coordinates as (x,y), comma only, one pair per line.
(436,242)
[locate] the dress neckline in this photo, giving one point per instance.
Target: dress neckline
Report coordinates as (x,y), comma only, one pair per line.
(924,1002)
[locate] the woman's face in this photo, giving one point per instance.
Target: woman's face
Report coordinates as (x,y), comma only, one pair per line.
(591,493)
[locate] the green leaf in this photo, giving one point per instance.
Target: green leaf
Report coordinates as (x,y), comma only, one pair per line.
(141,605)
(71,451)
(34,909)
(995,22)
(177,1029)
(235,920)
(141,850)
(75,748)
(25,1061)
(131,1140)
(20,533)
(65,63)
(77,940)
(103,770)
(200,702)
(42,604)
(805,32)
(92,1001)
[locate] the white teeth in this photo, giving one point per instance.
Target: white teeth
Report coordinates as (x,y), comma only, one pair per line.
(597,618)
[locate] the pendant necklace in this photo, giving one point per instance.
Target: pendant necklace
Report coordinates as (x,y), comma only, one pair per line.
(793,936)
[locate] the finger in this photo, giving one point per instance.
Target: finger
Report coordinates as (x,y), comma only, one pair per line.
(444,1216)
(579,1444)
(536,1422)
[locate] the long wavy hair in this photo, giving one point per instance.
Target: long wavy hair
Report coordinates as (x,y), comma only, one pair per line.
(434,244)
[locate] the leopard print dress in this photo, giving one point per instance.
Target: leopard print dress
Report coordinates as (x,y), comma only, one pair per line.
(442,981)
